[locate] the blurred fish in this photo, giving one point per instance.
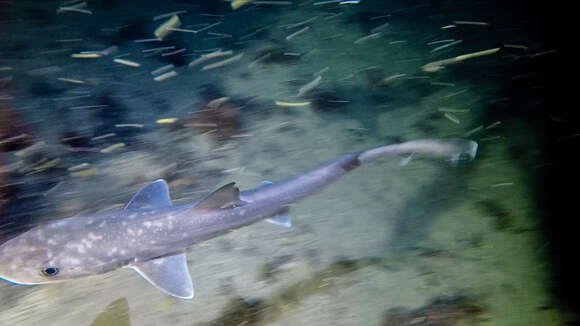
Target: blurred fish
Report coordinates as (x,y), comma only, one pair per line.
(150,235)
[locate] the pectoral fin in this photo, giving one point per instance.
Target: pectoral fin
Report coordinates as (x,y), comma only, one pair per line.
(281,219)
(168,274)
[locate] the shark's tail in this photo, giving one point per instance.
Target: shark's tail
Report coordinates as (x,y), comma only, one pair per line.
(290,190)
(454,150)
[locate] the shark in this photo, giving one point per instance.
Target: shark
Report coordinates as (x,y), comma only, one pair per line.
(152,236)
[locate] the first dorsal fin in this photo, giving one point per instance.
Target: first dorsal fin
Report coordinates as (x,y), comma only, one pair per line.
(153,195)
(225,197)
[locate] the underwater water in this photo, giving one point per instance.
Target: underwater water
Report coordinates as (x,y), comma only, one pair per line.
(98,98)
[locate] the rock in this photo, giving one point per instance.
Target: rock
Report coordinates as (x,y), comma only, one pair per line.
(441,311)
(218,118)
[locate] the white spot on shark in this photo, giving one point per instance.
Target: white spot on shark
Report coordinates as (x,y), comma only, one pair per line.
(94,237)
(87,243)
(58,224)
(79,247)
(70,261)
(40,234)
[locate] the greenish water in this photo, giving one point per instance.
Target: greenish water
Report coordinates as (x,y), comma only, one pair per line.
(403,242)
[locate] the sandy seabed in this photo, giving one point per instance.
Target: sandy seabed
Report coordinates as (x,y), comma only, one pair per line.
(387,235)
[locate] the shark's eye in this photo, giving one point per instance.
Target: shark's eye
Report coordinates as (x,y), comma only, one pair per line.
(50,271)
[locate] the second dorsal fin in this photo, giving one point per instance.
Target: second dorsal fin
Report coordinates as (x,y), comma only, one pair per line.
(225,197)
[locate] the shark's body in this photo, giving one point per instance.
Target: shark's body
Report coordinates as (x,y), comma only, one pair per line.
(151,236)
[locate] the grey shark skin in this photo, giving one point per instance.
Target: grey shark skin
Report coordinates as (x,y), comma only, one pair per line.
(151,236)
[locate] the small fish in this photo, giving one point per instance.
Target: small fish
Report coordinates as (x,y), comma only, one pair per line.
(150,235)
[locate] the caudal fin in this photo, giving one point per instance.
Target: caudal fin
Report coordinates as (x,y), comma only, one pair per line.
(454,150)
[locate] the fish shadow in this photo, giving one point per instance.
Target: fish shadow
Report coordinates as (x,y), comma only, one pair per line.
(417,216)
